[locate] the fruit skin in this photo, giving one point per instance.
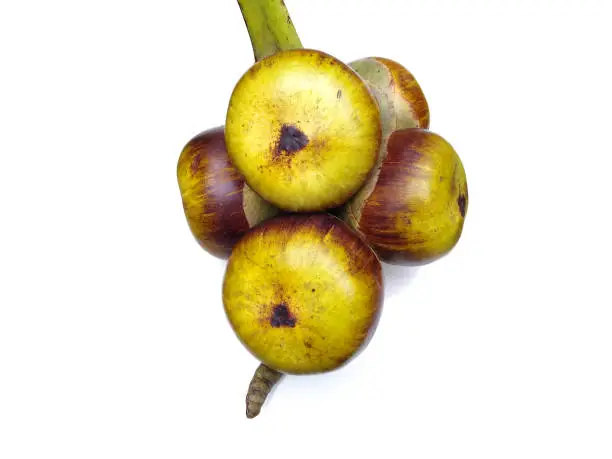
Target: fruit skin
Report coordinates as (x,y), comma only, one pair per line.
(400,97)
(219,206)
(303,129)
(413,209)
(303,293)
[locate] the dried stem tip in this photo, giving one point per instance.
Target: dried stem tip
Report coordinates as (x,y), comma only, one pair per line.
(263,381)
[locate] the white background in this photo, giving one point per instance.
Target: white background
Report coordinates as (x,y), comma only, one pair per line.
(113,340)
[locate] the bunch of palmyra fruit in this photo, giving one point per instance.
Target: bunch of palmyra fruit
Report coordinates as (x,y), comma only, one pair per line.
(321,170)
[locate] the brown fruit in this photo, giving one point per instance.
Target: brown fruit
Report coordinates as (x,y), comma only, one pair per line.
(219,206)
(412,210)
(400,97)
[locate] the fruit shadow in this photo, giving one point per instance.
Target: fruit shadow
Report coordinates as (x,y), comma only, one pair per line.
(397,278)
(315,387)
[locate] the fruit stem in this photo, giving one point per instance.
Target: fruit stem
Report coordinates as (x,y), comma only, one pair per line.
(264,379)
(269,26)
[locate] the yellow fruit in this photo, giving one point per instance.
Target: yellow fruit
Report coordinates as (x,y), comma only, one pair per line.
(414,207)
(218,204)
(303,129)
(303,293)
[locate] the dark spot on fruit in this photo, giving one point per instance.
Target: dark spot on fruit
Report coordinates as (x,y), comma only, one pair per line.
(291,140)
(462,203)
(308,344)
(454,180)
(340,360)
(313,290)
(281,317)
(418,239)
(195,163)
(339,94)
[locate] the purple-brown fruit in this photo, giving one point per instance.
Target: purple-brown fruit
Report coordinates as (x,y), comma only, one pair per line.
(219,205)
(413,208)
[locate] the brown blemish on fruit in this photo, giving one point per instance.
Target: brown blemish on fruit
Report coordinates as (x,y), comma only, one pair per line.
(462,203)
(308,344)
(454,181)
(417,239)
(290,140)
(195,163)
(323,59)
(282,317)
(318,145)
(339,94)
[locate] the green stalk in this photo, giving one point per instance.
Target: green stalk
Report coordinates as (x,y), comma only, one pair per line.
(270,27)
